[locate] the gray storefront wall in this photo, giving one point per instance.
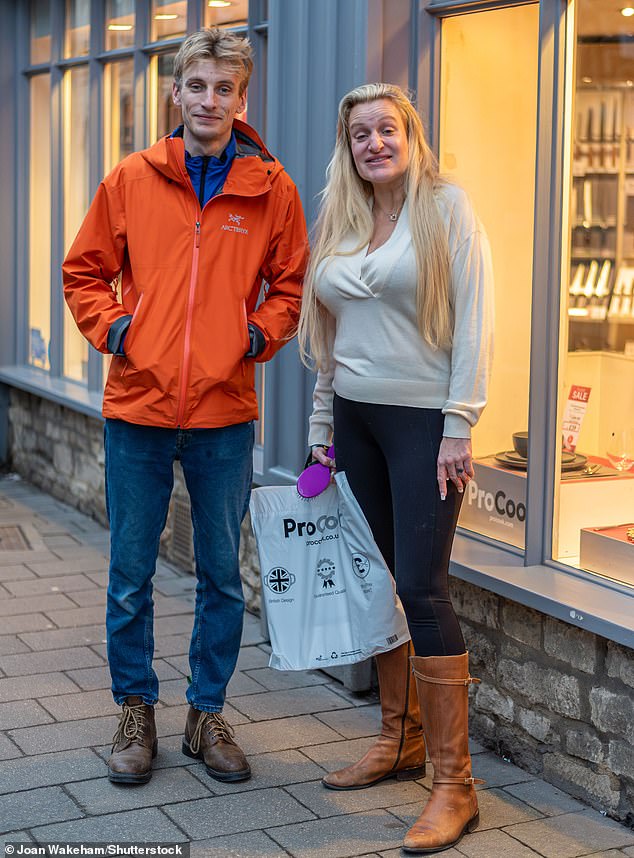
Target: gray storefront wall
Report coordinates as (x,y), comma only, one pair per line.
(553,646)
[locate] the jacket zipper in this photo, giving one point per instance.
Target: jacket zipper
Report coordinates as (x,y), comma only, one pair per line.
(188,327)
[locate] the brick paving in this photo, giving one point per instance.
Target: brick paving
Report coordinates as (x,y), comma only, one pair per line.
(57,716)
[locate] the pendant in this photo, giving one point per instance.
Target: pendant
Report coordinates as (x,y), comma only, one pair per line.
(393,215)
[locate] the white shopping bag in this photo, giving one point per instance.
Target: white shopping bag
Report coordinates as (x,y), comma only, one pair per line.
(329,597)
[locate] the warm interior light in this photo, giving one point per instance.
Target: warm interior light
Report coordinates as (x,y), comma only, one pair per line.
(628,11)
(586,79)
(119,28)
(220,4)
(165,17)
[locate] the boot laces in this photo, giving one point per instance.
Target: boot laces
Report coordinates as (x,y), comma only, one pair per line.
(214,725)
(132,725)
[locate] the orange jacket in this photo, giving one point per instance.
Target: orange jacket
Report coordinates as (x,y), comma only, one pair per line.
(191,279)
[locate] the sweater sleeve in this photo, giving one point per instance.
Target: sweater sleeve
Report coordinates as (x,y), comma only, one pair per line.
(320,421)
(472,347)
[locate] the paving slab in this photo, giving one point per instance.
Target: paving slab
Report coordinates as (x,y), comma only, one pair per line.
(353,723)
(36,806)
(252,656)
(496,772)
(89,561)
(231,814)
(545,797)
(30,605)
(171,647)
(21,687)
(27,773)
(64,638)
(73,617)
(281,680)
(167,786)
(8,749)
(25,623)
(19,572)
(335,755)
(295,701)
(85,704)
(493,844)
(241,684)
(11,645)
(254,844)
(168,606)
(49,661)
(60,737)
(278,768)
(22,713)
(14,837)
(148,824)
(89,598)
(43,586)
(388,794)
(570,835)
(341,836)
(283,734)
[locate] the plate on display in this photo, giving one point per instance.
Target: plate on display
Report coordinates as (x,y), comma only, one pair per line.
(569,461)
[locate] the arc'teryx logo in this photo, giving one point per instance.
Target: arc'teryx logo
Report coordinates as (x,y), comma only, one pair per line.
(234,225)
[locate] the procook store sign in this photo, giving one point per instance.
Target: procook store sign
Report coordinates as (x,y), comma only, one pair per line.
(495,503)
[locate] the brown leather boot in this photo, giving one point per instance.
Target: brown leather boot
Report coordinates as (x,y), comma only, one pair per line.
(400,748)
(208,737)
(134,744)
(443,690)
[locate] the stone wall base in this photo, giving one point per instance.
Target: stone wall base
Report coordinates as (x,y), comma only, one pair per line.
(554,699)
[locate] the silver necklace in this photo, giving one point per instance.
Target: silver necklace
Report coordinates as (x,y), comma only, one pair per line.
(393,215)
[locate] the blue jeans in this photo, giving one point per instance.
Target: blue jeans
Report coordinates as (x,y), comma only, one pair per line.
(217,464)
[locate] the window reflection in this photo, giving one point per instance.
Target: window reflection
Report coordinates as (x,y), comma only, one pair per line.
(489,65)
(166,115)
(40,222)
(118,112)
(77,30)
(40,31)
(595,497)
(226,13)
(76,198)
(169,19)
(120,21)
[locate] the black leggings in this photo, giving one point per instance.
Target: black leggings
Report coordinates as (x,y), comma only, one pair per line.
(389,454)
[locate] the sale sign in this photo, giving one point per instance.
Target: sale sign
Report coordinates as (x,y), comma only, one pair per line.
(574,412)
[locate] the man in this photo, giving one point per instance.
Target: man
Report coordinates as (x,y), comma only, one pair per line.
(193,226)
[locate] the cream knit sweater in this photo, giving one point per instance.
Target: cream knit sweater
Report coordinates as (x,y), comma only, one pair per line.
(378,354)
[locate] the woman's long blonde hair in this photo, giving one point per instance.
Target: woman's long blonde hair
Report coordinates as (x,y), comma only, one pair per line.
(346,207)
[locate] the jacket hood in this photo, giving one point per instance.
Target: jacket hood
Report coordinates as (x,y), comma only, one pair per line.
(257,166)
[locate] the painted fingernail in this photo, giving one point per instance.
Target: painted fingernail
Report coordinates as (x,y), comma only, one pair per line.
(443,497)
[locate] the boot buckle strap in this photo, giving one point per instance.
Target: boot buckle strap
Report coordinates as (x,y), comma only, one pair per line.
(437,680)
(466,781)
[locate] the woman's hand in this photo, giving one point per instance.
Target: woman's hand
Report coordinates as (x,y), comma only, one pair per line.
(454,463)
(321,455)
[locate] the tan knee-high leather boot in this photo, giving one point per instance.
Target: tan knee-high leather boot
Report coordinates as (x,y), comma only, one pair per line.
(400,749)
(443,691)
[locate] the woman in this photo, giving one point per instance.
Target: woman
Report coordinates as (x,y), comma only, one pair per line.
(397,316)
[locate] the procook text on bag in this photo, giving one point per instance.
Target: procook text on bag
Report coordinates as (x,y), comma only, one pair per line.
(329,596)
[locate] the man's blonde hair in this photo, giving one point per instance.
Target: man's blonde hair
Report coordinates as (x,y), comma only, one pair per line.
(346,208)
(215,44)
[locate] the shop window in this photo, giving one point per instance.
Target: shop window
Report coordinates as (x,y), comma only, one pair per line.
(77,29)
(120,21)
(118,116)
(165,116)
(40,31)
(488,116)
(40,222)
(76,199)
(595,499)
(169,19)
(226,13)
